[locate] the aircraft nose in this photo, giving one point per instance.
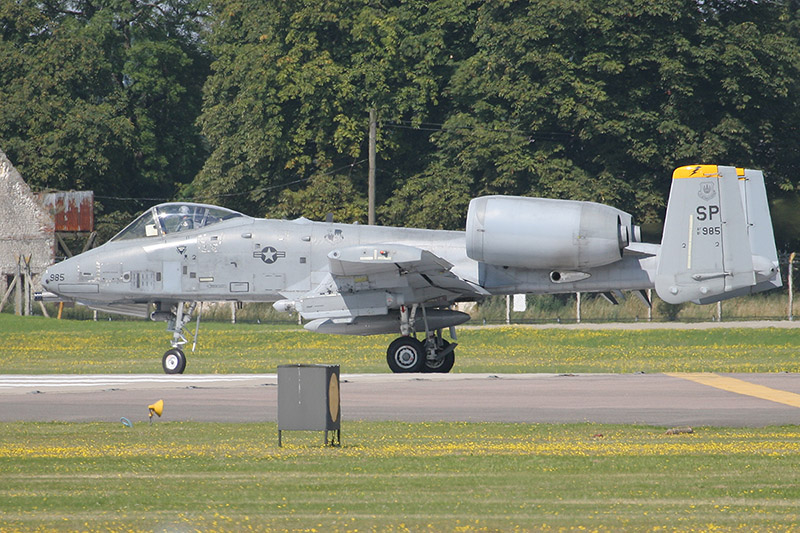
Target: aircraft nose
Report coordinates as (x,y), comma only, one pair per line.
(52,275)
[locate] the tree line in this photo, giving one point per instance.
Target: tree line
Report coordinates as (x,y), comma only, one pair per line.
(263,105)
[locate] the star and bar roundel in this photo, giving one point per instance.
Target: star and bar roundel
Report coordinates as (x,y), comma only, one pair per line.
(269,255)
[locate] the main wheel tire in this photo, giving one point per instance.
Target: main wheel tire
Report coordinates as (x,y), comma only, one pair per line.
(445,365)
(174,361)
(405,354)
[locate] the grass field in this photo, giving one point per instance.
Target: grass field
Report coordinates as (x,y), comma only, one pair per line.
(391,476)
(37,345)
(397,477)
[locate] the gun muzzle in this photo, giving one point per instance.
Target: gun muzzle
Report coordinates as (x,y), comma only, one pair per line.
(47,297)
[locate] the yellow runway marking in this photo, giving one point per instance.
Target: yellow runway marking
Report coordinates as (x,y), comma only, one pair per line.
(741,387)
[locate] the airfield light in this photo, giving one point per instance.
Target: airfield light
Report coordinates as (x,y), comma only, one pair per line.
(156,408)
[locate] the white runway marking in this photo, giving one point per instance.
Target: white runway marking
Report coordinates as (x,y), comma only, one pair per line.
(15,384)
(10,381)
(37,382)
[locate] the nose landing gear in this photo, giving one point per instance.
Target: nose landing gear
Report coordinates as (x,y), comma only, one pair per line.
(174,360)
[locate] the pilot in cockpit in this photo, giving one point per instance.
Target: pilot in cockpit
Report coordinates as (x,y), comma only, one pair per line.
(186,222)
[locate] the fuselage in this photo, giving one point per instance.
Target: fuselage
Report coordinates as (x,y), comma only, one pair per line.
(248,259)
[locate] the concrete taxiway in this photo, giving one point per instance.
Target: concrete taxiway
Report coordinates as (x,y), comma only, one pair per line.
(736,400)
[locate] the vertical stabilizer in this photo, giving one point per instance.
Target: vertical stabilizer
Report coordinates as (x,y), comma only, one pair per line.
(759,227)
(718,240)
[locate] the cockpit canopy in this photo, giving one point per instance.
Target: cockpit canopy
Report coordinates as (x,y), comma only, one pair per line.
(165,219)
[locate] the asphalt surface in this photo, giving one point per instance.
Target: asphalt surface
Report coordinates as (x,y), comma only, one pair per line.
(733,400)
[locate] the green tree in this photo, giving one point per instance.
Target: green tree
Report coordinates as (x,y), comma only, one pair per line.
(102,95)
(583,99)
(334,194)
(597,100)
(292,84)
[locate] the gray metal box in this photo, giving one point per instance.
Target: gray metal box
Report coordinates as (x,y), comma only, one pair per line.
(308,398)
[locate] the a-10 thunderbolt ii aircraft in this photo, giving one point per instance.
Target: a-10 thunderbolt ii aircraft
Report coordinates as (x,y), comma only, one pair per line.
(362,280)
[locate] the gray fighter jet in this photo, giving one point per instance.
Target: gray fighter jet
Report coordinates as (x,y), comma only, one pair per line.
(364,280)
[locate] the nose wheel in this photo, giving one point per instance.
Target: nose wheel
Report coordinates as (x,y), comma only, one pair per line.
(176,316)
(174,361)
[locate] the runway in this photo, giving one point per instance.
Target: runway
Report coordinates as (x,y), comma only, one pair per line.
(733,400)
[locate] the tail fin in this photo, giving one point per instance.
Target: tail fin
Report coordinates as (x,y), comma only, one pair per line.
(718,241)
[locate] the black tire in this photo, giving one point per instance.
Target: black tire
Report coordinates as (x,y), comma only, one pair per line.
(174,361)
(445,365)
(406,354)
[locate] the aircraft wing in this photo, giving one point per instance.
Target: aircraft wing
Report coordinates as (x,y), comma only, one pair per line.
(368,280)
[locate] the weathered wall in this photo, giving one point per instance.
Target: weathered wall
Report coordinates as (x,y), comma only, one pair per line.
(25,227)
(72,211)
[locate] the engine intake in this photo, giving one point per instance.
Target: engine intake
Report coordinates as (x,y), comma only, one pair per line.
(545,233)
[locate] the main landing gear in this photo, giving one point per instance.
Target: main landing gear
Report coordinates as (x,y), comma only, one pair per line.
(407,354)
(180,314)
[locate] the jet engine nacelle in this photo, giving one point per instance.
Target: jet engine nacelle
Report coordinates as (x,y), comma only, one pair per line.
(548,234)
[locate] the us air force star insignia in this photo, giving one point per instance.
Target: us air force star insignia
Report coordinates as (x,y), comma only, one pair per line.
(269,255)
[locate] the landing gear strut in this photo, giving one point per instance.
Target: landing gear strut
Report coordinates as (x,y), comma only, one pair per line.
(174,360)
(443,360)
